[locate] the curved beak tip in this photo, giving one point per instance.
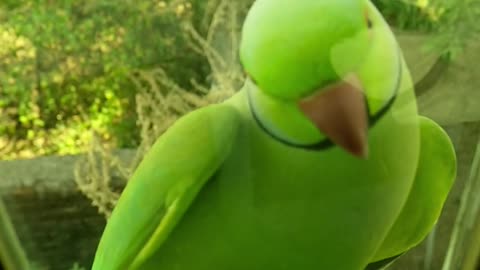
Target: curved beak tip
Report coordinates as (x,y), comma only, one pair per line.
(339,112)
(362,150)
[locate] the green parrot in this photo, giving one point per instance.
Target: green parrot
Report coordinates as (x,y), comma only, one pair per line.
(320,161)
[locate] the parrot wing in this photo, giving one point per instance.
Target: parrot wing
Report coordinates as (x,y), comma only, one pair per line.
(435,175)
(165,184)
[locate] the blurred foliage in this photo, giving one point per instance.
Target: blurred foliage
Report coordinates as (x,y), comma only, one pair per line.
(76,266)
(68,68)
(65,66)
(413,15)
(458,26)
(452,23)
(160,101)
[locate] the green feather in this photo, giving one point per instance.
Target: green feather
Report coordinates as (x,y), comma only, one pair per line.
(164,185)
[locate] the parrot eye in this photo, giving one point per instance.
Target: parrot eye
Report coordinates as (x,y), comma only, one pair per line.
(368,20)
(369,23)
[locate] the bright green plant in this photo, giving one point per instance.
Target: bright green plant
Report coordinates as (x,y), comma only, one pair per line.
(65,69)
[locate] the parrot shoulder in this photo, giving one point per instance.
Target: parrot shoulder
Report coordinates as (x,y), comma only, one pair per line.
(164,185)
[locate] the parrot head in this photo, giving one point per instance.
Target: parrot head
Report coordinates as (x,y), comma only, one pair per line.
(321,72)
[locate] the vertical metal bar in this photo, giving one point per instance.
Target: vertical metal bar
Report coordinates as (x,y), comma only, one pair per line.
(11,253)
(459,252)
(430,250)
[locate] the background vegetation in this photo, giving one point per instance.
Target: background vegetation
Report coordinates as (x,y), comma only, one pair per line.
(66,68)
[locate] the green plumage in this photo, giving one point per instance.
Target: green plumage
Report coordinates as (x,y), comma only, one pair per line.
(231,186)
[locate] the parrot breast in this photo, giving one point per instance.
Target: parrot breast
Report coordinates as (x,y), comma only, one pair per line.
(274,206)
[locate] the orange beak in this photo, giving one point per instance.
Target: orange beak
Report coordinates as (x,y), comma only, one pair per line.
(339,112)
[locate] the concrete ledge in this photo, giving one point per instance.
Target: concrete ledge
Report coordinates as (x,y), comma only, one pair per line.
(55,224)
